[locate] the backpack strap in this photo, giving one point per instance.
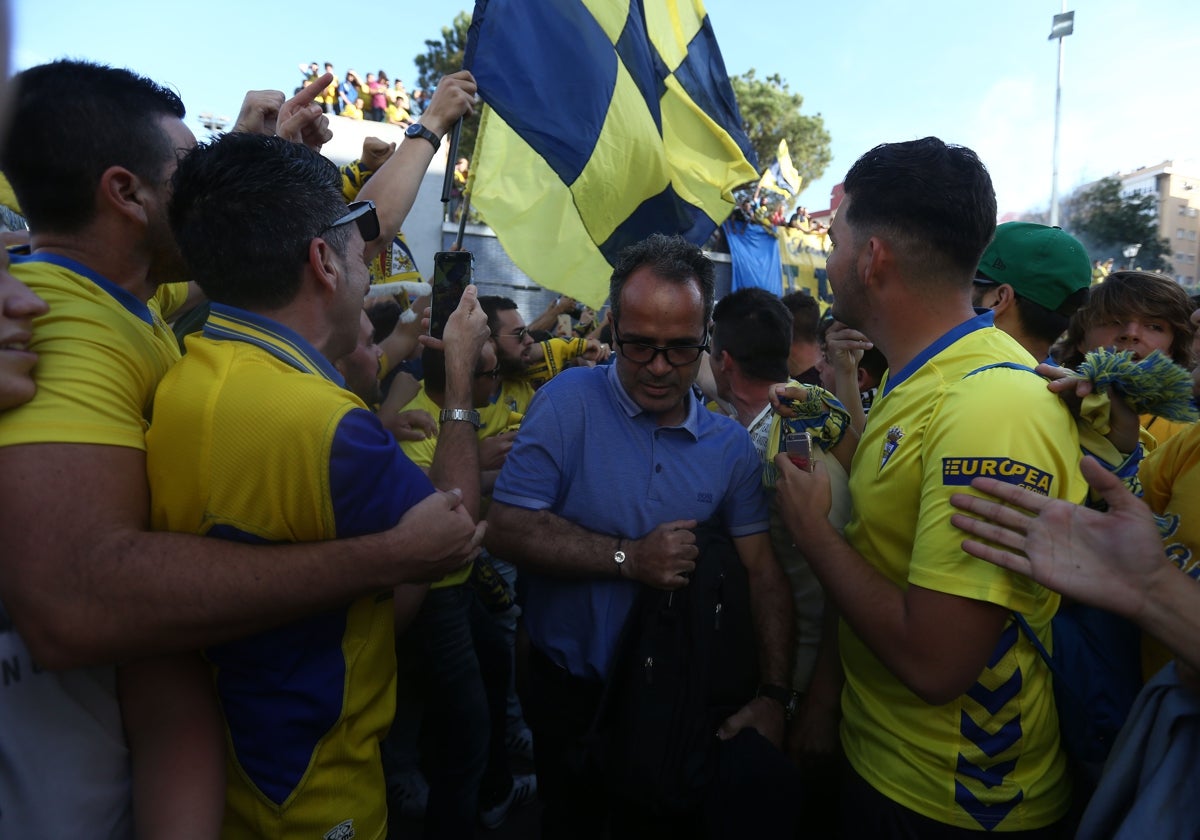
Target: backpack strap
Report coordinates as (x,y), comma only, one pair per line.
(1008,365)
(1062,680)
(1037,643)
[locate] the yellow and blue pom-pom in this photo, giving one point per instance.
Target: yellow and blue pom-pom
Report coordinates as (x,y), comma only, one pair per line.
(1154,385)
(817,411)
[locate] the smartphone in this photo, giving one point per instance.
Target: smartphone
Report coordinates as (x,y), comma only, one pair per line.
(799,450)
(452,272)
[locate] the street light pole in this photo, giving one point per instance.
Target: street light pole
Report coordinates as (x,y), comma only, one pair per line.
(214,123)
(1130,252)
(1063,25)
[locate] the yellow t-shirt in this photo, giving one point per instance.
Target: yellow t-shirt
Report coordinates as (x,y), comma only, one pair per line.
(1161,429)
(990,759)
(421,453)
(509,406)
(255,441)
(556,352)
(101,353)
(1171,485)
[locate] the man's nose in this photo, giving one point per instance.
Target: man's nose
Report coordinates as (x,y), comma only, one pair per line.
(659,365)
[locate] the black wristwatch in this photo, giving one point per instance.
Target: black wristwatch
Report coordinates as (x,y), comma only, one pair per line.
(790,700)
(418,130)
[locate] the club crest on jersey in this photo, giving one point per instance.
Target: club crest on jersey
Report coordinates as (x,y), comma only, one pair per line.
(960,471)
(341,831)
(894,436)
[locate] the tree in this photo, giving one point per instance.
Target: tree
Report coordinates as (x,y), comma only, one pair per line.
(1107,223)
(770,113)
(442,58)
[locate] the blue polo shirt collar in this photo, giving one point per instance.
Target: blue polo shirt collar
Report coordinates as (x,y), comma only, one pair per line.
(127,299)
(982,320)
(690,424)
(229,323)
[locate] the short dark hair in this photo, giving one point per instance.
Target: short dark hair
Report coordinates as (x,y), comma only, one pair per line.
(934,200)
(244,210)
(755,328)
(1044,324)
(1142,293)
(73,120)
(806,315)
(671,257)
(492,306)
(384,314)
(433,370)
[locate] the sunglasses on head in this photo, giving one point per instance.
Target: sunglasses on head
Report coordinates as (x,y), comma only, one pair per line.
(363,214)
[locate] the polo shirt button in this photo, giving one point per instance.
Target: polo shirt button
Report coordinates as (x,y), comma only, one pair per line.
(658,468)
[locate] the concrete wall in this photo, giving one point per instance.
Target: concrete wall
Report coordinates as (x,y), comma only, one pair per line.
(422,228)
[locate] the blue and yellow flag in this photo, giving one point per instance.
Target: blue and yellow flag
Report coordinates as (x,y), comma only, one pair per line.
(608,120)
(754,255)
(781,176)
(803,256)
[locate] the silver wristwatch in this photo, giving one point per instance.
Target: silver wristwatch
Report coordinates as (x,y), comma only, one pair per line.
(469,415)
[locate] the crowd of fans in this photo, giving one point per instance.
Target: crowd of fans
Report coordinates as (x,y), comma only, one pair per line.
(374,98)
(768,209)
(299,568)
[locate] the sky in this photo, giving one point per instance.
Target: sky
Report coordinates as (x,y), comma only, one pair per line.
(976,72)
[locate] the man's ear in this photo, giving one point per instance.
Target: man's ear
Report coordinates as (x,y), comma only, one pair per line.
(121,190)
(725,361)
(877,260)
(322,263)
(1006,299)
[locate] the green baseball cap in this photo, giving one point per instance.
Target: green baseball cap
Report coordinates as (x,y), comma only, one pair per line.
(1042,263)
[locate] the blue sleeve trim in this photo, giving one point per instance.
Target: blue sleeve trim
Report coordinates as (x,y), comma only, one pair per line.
(372,483)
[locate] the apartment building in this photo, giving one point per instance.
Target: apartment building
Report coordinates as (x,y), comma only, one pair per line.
(1178,195)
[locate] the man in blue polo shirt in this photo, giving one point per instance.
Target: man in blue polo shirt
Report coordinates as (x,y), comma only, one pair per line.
(612,468)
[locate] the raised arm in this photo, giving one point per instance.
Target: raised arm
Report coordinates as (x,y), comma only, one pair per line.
(456,460)
(394,187)
(844,348)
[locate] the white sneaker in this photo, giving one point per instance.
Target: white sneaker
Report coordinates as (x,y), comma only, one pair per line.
(520,743)
(410,795)
(524,789)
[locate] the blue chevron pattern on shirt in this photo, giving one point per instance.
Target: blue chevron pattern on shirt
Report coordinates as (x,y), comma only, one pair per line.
(994,692)
(990,777)
(987,815)
(997,698)
(992,743)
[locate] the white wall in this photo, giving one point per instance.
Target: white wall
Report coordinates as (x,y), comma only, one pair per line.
(423,227)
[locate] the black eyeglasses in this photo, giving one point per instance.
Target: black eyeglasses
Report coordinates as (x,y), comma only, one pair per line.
(363,214)
(678,355)
(488,374)
(519,335)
